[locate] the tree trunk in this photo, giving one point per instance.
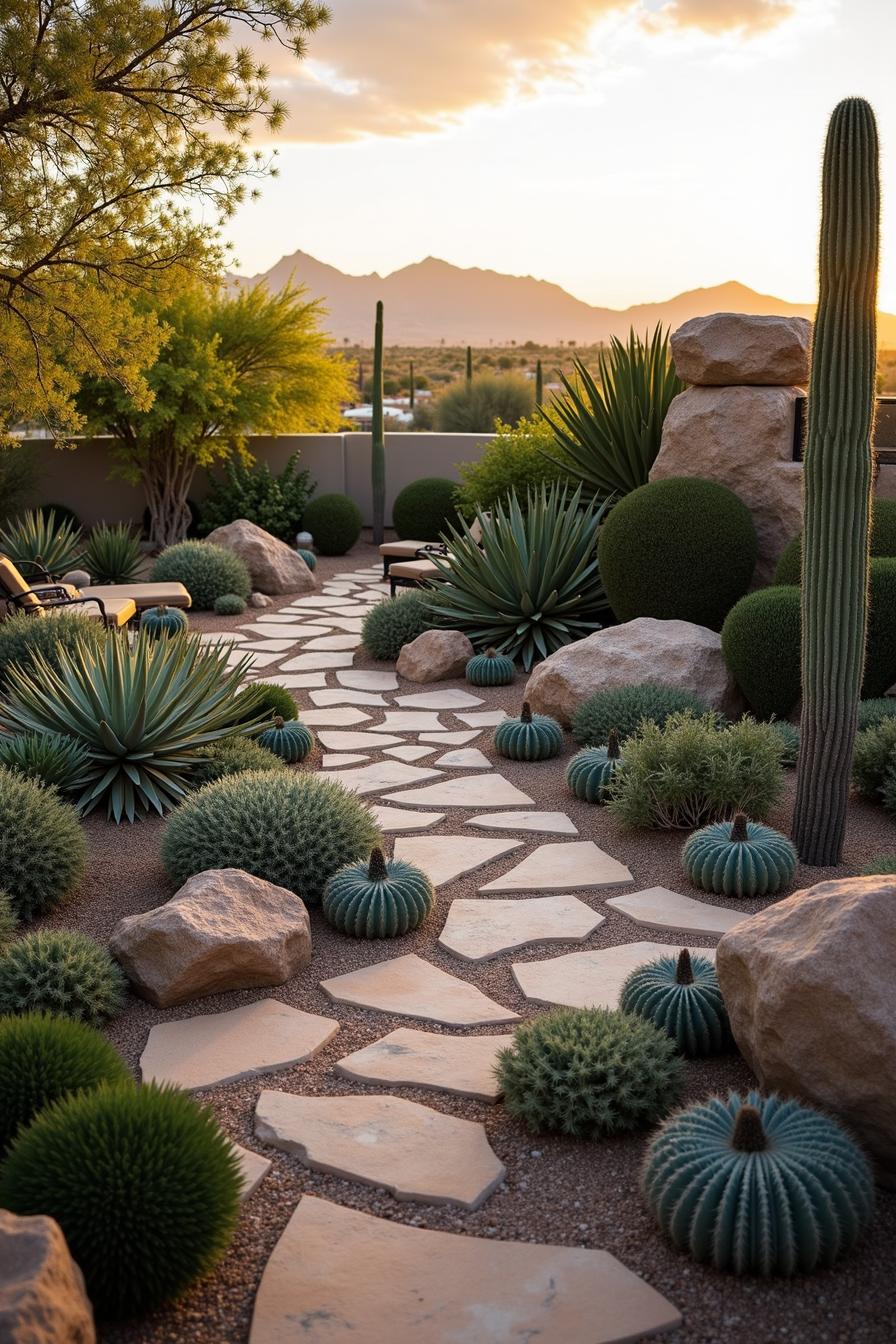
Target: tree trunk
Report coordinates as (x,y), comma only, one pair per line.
(167,478)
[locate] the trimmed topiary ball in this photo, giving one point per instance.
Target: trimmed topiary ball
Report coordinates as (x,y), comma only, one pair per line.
(309,557)
(625,707)
(589,1073)
(64,972)
(43,853)
(22,638)
(207,571)
(52,759)
(378,899)
(389,625)
(424,508)
(295,830)
(287,738)
(334,522)
(164,621)
(9,921)
(143,1182)
(883,865)
(490,669)
(591,770)
(761,645)
(679,549)
(230,604)
(681,996)
(882,542)
(269,700)
(758,1185)
(531,737)
(231,756)
(873,712)
(43,1058)
(739,858)
(789,736)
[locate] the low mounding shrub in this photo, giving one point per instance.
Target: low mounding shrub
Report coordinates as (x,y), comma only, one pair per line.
(24,638)
(43,1058)
(789,736)
(884,864)
(513,460)
(62,972)
(334,522)
(390,625)
(43,853)
(888,791)
(761,644)
(143,1182)
(269,700)
(873,712)
(588,1073)
(9,920)
(207,572)
(232,756)
(272,501)
(679,549)
(476,407)
(623,709)
(882,542)
(230,604)
(294,830)
(50,758)
(691,772)
(873,757)
(423,508)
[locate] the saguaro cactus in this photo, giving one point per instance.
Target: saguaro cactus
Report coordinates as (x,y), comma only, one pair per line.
(539,384)
(411,386)
(377,438)
(469,364)
(837,480)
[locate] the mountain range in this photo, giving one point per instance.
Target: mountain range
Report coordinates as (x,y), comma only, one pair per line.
(432,301)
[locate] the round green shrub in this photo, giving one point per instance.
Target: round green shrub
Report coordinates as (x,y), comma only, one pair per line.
(588,1072)
(43,1058)
(873,712)
(424,508)
(232,756)
(880,645)
(43,853)
(679,549)
(22,637)
(789,736)
(9,920)
(623,709)
(789,566)
(884,864)
(334,522)
(143,1182)
(64,972)
(295,830)
(52,759)
(378,899)
(681,996)
(269,699)
(882,542)
(207,571)
(389,625)
(761,645)
(873,756)
(230,604)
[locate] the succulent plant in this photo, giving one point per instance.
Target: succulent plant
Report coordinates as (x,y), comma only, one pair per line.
(43,853)
(207,571)
(739,858)
(287,738)
(378,899)
(490,669)
(309,557)
(758,1185)
(389,625)
(61,971)
(531,737)
(231,756)
(230,604)
(624,707)
(590,772)
(113,554)
(681,996)
(51,759)
(41,538)
(163,621)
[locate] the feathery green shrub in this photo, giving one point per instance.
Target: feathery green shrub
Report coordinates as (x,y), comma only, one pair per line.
(273,501)
(207,571)
(334,522)
(476,405)
(624,707)
(884,864)
(424,508)
(23,638)
(50,758)
(43,853)
(113,554)
(873,712)
(681,996)
(9,920)
(231,756)
(389,625)
(514,460)
(874,756)
(61,971)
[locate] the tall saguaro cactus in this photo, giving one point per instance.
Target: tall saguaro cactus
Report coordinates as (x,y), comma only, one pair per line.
(412,387)
(469,365)
(539,383)
(837,480)
(377,438)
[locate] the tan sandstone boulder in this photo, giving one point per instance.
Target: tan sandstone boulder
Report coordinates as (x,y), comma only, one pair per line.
(436,655)
(223,930)
(42,1297)
(728,349)
(810,987)
(669,653)
(273,566)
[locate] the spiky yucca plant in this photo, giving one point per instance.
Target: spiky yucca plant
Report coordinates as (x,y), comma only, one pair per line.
(50,758)
(38,538)
(112,554)
(141,712)
(534,583)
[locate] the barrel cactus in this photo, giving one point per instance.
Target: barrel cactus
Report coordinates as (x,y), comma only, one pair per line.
(590,771)
(531,737)
(287,738)
(378,899)
(308,556)
(681,996)
(490,669)
(163,621)
(758,1185)
(739,858)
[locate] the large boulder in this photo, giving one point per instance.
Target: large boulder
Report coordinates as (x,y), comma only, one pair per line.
(223,930)
(273,566)
(729,349)
(669,653)
(811,993)
(436,655)
(42,1296)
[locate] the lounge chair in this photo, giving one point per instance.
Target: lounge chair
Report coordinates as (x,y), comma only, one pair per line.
(114,604)
(417,550)
(416,568)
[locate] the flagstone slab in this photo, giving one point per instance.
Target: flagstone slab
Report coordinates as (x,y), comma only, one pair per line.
(340,696)
(409,752)
(224,636)
(409,721)
(218,1048)
(464,791)
(380,775)
(444,857)
(255,659)
(317,600)
(544,823)
(298,681)
(438,700)
(591,979)
(452,739)
(316,662)
(368,681)
(577,865)
(413,1151)
(339,589)
(280,630)
(337,1275)
(392,819)
(479,930)
(334,642)
(464,758)
(339,760)
(415,988)
(352,625)
(659,908)
(253,1169)
(284,617)
(266,645)
(485,719)
(353,609)
(461,1065)
(335,739)
(334,717)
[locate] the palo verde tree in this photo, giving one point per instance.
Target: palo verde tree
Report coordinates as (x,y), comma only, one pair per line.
(377,437)
(229,363)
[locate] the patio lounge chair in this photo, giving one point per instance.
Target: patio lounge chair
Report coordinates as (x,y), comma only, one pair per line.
(114,604)
(417,550)
(416,568)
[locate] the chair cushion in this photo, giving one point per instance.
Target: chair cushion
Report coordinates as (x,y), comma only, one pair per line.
(406,548)
(143,595)
(414,569)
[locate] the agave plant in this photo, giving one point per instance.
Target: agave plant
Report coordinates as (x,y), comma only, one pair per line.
(112,554)
(142,712)
(534,583)
(37,538)
(610,428)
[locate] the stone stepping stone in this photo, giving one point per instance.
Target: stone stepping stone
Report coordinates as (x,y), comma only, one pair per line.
(337,1274)
(409,752)
(591,979)
(316,662)
(253,1169)
(255,659)
(354,609)
(478,930)
(464,758)
(283,631)
(224,636)
(442,858)
(339,589)
(465,791)
(415,988)
(447,739)
(298,681)
(334,717)
(267,646)
(544,823)
(438,700)
(334,642)
(337,740)
(392,819)
(339,696)
(659,908)
(338,760)
(221,1047)
(382,775)
(350,624)
(415,1152)
(486,719)
(577,865)
(409,721)
(316,600)
(368,681)
(461,1065)
(285,617)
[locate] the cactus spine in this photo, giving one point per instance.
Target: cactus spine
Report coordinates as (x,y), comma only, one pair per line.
(377,438)
(469,365)
(539,384)
(837,480)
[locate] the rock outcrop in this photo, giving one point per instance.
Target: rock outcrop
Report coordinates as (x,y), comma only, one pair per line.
(436,655)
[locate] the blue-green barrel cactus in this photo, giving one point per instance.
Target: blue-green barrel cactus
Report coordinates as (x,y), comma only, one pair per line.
(739,858)
(681,996)
(490,669)
(531,737)
(308,556)
(287,738)
(378,899)
(591,770)
(163,621)
(758,1185)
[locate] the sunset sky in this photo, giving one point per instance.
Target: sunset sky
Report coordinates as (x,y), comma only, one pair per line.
(625,149)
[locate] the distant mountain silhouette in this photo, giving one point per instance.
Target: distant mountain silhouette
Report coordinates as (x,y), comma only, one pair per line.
(433,301)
